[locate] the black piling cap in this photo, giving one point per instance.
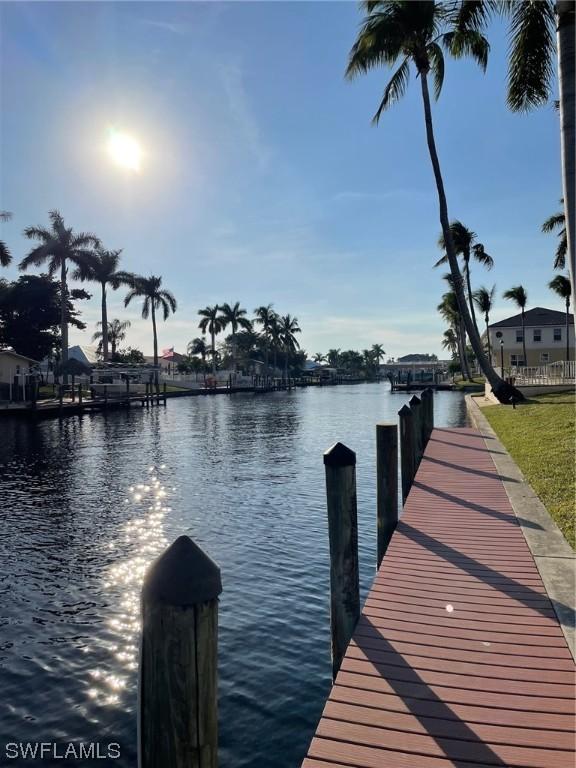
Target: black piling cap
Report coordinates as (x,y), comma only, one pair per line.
(339,456)
(405,411)
(183,575)
(415,401)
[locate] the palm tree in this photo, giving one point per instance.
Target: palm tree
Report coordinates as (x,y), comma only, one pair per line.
(484,300)
(266,317)
(333,358)
(102,268)
(466,245)
(518,295)
(450,341)
(561,286)
(155,297)
(236,318)
(115,333)
(211,322)
(450,312)
(5,255)
(415,33)
(318,357)
(558,222)
(288,328)
(540,31)
(378,352)
(58,246)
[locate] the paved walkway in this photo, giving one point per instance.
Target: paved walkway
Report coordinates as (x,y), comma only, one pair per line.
(458,658)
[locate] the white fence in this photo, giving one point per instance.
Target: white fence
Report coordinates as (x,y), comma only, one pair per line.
(553,373)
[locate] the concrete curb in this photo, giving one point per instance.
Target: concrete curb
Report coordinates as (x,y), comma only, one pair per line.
(554,557)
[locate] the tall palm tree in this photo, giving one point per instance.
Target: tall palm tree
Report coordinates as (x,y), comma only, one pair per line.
(378,352)
(115,333)
(59,246)
(333,358)
(450,341)
(266,317)
(318,357)
(288,328)
(561,286)
(154,297)
(467,246)
(518,295)
(540,31)
(102,268)
(211,322)
(558,222)
(416,33)
(198,346)
(484,300)
(235,317)
(5,255)
(450,312)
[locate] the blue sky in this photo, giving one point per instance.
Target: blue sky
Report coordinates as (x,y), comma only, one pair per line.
(263,179)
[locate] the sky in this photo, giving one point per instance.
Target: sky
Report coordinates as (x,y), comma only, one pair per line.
(262,179)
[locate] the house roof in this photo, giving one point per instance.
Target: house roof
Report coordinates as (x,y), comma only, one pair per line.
(15,354)
(534,318)
(84,354)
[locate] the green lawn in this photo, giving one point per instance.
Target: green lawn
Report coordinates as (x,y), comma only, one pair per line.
(476,385)
(540,435)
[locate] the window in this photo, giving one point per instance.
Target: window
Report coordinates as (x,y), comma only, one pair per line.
(557,334)
(544,357)
(517,360)
(537,334)
(519,336)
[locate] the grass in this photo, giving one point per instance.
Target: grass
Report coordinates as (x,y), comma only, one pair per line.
(477,384)
(540,436)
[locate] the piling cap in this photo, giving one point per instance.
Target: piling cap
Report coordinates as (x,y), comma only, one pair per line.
(415,401)
(339,456)
(405,411)
(183,575)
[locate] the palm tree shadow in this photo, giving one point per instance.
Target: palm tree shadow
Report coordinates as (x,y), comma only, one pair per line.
(461,468)
(434,439)
(505,517)
(459,741)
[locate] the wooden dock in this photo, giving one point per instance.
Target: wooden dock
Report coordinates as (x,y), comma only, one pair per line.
(458,658)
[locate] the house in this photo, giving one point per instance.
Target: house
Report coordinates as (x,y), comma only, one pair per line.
(15,373)
(168,361)
(545,338)
(84,354)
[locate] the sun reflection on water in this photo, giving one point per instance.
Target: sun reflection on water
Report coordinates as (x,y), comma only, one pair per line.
(143,536)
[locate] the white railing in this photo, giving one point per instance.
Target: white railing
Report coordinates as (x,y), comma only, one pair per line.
(562,372)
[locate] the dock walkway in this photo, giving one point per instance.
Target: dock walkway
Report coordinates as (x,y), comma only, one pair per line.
(458,658)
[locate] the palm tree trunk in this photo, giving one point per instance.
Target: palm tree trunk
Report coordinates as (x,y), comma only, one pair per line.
(462,336)
(234,353)
(213,335)
(155,338)
(567,86)
(567,329)
(470,299)
(524,339)
(104,324)
(63,313)
(503,391)
(487,320)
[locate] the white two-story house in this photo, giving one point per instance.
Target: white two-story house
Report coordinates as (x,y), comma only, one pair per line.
(545,330)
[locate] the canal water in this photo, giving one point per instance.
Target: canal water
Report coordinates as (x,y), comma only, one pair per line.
(88,502)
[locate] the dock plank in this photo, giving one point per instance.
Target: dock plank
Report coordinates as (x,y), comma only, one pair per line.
(458,658)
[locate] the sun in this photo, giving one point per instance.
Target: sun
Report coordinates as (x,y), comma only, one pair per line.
(124,150)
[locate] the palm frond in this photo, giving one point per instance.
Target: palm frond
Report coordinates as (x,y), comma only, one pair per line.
(133,293)
(168,297)
(481,256)
(468,42)
(532,52)
(5,255)
(38,233)
(553,222)
(437,67)
(37,257)
(395,89)
(443,260)
(561,251)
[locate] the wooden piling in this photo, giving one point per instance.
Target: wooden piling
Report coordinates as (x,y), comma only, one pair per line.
(60,398)
(80,394)
(386,486)
(407,449)
(428,413)
(105,395)
(340,468)
(164,393)
(416,408)
(178,701)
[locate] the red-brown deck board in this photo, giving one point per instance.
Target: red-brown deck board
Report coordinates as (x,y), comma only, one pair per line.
(458,658)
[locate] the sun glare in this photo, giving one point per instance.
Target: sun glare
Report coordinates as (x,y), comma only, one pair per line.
(124,150)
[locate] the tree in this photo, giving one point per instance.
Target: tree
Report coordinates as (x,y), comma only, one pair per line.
(558,222)
(467,246)
(540,31)
(288,328)
(198,346)
(378,352)
(130,356)
(266,317)
(416,33)
(102,268)
(318,357)
(333,358)
(211,322)
(518,295)
(450,341)
(154,298)
(235,317)
(5,255)
(115,333)
(58,246)
(450,312)
(484,300)
(561,286)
